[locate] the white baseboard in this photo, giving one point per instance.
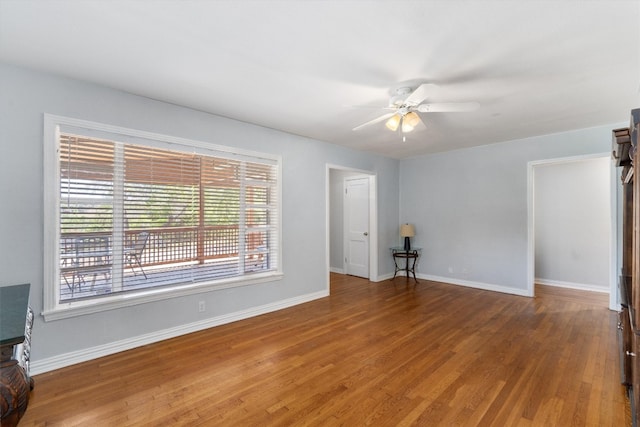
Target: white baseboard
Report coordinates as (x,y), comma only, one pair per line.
(383,277)
(460,282)
(475,285)
(71,358)
(571,285)
(371,279)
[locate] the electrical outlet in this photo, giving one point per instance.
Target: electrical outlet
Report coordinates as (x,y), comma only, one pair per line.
(201,306)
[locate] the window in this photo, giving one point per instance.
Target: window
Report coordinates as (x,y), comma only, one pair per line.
(143,216)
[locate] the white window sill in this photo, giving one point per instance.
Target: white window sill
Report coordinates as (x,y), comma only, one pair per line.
(115,301)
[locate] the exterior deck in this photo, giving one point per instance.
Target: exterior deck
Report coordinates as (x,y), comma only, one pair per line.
(169,257)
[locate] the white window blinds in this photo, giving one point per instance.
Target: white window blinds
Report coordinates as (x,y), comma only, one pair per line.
(135,216)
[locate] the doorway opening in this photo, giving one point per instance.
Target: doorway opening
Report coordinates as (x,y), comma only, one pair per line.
(338,215)
(572,213)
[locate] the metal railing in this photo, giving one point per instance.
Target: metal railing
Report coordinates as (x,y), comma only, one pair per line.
(86,259)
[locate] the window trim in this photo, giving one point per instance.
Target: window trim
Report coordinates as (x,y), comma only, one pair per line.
(53,309)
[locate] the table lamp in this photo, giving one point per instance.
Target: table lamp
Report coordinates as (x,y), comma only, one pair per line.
(407,231)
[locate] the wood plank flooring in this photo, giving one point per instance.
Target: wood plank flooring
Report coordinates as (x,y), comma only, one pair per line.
(382,354)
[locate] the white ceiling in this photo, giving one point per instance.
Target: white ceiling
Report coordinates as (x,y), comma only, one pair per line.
(536,67)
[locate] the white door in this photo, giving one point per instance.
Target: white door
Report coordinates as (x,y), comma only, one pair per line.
(356,207)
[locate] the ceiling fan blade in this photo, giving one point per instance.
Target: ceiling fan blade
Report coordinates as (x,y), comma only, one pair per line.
(376,120)
(447,107)
(420,94)
(371,107)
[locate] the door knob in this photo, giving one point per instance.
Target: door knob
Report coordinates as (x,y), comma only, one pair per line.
(365,233)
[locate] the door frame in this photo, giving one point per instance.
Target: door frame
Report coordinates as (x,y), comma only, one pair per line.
(613,211)
(373,219)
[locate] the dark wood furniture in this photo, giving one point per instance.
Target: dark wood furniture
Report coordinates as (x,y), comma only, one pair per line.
(624,153)
(400,253)
(16,319)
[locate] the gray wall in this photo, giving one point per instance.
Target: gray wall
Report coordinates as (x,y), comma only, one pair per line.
(469,206)
(27,95)
(573,223)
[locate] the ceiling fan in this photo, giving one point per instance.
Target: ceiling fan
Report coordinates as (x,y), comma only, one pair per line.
(407,102)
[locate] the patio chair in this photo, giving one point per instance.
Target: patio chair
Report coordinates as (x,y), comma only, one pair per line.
(133,254)
(92,258)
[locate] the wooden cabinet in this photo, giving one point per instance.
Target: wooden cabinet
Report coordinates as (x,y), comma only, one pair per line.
(624,153)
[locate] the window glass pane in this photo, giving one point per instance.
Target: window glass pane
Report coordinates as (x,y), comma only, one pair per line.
(257,195)
(134,217)
(222,206)
(86,214)
(86,185)
(257,217)
(257,253)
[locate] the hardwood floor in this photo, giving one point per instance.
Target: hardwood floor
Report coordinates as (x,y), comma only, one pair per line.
(383,354)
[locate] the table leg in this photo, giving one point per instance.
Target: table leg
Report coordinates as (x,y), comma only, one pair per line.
(395,262)
(413,269)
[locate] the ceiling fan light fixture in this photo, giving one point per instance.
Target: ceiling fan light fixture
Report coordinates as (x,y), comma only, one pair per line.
(409,122)
(412,119)
(406,101)
(393,123)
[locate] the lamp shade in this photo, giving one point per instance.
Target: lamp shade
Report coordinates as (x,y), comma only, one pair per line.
(410,121)
(393,122)
(407,230)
